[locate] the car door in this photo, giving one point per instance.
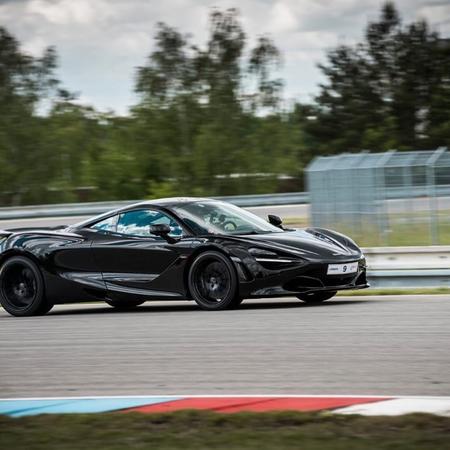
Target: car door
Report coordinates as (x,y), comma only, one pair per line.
(131,259)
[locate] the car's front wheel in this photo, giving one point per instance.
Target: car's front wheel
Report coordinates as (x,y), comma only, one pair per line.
(213,282)
(22,288)
(314,298)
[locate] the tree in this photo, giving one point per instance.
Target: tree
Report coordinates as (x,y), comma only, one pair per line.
(202,101)
(24,82)
(383,93)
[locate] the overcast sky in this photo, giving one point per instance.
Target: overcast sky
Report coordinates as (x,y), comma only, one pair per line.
(100,42)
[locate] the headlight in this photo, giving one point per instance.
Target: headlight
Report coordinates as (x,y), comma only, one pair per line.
(271,260)
(262,253)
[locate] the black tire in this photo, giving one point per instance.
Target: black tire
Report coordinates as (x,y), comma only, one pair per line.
(22,290)
(125,305)
(213,282)
(314,298)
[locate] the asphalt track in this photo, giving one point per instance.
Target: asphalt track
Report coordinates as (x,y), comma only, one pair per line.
(359,345)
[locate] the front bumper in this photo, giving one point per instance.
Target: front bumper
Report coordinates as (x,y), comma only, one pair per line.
(311,277)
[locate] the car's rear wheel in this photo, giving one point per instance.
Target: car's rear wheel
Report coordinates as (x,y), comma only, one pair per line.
(125,305)
(314,298)
(22,288)
(213,282)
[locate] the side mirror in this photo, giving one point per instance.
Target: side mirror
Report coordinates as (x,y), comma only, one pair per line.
(163,230)
(275,220)
(160,229)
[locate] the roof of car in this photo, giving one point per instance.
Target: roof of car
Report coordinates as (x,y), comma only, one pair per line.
(171,201)
(163,202)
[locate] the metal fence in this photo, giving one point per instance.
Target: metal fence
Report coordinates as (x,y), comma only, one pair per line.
(391,198)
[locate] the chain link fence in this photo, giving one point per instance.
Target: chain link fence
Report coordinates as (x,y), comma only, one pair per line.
(392,198)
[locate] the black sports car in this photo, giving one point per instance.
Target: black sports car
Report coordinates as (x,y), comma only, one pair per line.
(178,248)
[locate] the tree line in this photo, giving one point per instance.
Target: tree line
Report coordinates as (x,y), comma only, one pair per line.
(210,120)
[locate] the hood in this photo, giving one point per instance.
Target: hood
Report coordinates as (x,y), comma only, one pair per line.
(310,243)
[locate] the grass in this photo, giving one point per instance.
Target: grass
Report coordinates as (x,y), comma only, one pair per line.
(396,291)
(297,222)
(206,430)
(403,230)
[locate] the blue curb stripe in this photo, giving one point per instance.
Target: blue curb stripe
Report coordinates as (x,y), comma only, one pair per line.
(19,408)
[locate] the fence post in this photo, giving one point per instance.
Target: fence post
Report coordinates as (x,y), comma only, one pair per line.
(431,186)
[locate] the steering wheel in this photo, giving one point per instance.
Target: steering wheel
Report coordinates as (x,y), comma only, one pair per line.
(229,225)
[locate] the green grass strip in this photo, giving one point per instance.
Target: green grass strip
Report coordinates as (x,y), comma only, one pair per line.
(198,430)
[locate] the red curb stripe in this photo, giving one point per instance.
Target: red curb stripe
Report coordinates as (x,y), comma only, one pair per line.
(304,404)
(207,403)
(257,404)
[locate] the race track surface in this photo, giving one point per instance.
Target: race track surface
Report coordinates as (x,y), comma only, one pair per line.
(359,345)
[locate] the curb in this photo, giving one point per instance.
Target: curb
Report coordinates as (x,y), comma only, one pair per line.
(349,404)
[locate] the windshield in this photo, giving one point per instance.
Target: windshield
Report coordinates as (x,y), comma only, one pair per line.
(214,217)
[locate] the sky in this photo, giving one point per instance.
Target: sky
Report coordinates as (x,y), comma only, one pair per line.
(101,42)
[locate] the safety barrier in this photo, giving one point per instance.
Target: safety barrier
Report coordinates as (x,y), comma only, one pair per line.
(86,209)
(287,198)
(409,266)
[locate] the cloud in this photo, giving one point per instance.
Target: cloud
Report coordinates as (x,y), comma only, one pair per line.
(437,14)
(101,42)
(282,18)
(35,46)
(65,12)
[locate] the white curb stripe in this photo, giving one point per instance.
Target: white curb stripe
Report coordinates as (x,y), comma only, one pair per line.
(397,406)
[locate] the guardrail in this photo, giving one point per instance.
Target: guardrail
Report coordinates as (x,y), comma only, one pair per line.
(408,266)
(60,210)
(288,198)
(86,209)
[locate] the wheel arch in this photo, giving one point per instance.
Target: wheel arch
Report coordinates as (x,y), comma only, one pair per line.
(193,256)
(18,252)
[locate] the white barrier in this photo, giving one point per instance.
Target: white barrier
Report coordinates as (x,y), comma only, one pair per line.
(409,266)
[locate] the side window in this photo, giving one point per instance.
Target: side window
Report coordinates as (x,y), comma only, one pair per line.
(108,224)
(137,223)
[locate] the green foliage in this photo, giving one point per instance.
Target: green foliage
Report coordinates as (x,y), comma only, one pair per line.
(208,120)
(390,91)
(23,82)
(209,133)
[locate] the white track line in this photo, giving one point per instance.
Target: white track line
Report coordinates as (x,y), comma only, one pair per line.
(381,397)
